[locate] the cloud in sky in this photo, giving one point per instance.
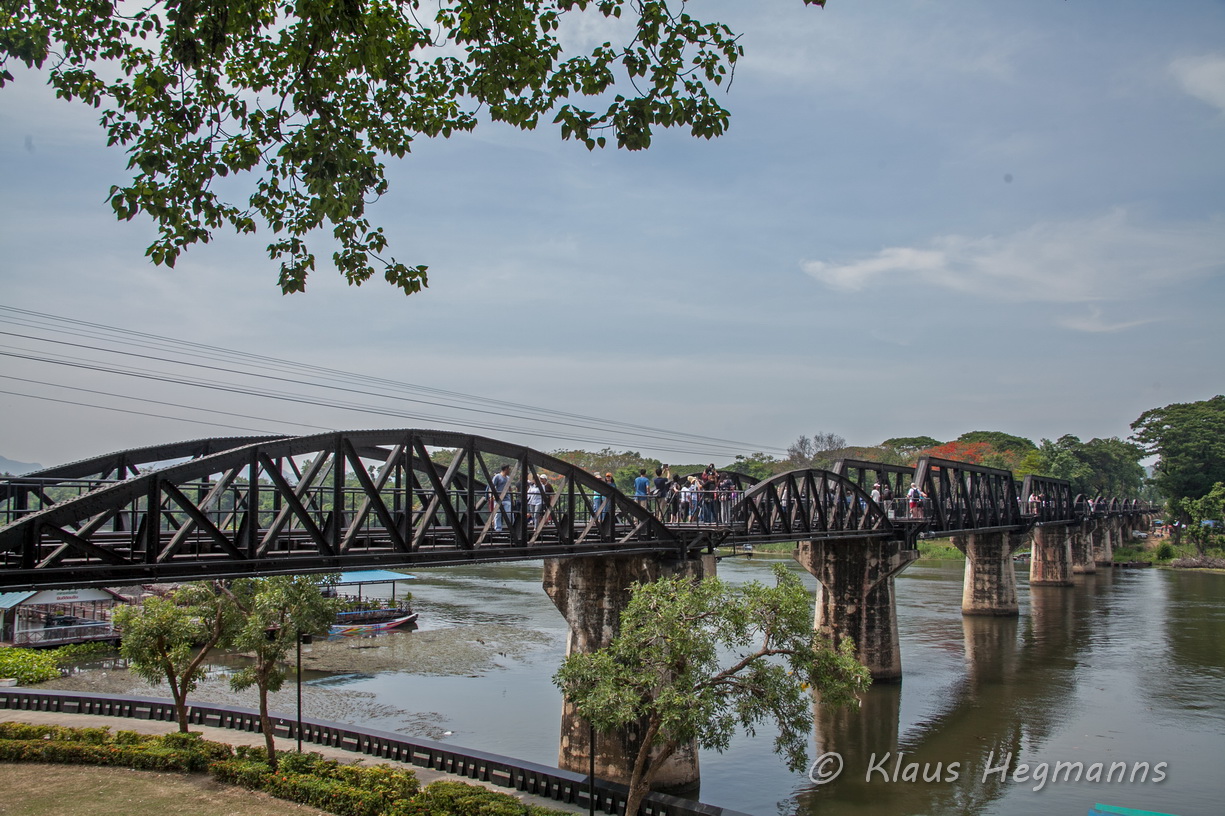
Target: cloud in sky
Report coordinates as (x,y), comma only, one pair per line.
(1202,77)
(1114,257)
(872,142)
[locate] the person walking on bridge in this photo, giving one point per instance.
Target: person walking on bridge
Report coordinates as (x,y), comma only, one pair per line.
(915,497)
(501,498)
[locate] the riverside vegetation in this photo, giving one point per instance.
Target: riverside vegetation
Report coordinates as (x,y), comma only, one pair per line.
(308,779)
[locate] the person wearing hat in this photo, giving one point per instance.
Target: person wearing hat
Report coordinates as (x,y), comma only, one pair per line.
(915,497)
(876,492)
(548,494)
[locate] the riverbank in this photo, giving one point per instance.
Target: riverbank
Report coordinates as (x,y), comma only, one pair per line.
(245,738)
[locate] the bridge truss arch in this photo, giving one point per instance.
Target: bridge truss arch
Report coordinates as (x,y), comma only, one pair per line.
(1049,500)
(37,489)
(806,504)
(322,503)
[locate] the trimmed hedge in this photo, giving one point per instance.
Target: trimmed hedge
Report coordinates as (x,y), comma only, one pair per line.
(22,742)
(308,779)
(445,798)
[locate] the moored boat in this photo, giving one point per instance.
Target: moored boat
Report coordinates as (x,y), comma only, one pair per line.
(369,627)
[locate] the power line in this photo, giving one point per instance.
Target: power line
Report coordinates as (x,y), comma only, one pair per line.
(137,413)
(307,401)
(680,441)
(158,402)
(40,320)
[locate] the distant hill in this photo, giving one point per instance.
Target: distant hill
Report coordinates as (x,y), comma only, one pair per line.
(17,468)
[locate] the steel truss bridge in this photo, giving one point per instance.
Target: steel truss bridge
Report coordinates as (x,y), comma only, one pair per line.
(243,506)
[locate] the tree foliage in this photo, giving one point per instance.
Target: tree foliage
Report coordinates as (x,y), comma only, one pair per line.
(1099,467)
(758,465)
(305,99)
(1189,439)
(665,670)
(1204,517)
(277,612)
(167,639)
(999,440)
(910,444)
(820,451)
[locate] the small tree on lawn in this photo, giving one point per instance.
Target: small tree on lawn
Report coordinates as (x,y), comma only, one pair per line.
(169,638)
(278,610)
(665,671)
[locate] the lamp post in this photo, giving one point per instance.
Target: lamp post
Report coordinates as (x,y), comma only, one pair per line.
(301,640)
(591,768)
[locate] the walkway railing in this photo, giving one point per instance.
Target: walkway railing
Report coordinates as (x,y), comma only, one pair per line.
(527,777)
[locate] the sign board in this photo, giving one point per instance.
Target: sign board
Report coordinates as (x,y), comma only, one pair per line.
(55,596)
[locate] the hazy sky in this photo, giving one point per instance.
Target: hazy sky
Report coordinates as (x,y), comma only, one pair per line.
(928,217)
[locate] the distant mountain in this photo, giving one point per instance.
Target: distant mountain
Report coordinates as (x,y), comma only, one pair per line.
(17,468)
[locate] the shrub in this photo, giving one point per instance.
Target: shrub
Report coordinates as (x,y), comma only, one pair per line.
(461,799)
(247,773)
(1165,552)
(310,779)
(20,742)
(29,666)
(73,652)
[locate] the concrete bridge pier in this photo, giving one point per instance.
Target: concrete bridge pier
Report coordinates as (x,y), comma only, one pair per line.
(855,596)
(591,593)
(1051,561)
(1103,543)
(1081,539)
(990,585)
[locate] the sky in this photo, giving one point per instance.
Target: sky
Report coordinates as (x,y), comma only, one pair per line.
(926,218)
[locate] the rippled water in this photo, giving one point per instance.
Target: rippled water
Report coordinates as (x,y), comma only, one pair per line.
(1125,667)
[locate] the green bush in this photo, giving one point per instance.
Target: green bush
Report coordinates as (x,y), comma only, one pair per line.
(29,666)
(1165,552)
(74,652)
(310,779)
(461,799)
(244,772)
(20,742)
(391,783)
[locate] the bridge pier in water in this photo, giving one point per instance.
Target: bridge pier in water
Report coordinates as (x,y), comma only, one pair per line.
(1103,543)
(1051,561)
(990,586)
(1081,538)
(591,593)
(855,596)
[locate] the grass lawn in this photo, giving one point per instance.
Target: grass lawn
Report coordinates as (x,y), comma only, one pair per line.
(71,790)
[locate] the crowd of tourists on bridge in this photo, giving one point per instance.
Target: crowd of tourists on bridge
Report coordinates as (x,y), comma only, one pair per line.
(707,497)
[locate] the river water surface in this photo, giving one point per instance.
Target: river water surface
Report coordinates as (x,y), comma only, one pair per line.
(1124,671)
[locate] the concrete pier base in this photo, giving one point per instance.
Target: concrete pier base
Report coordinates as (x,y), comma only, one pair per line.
(1103,543)
(855,596)
(990,586)
(591,593)
(1081,540)
(1051,561)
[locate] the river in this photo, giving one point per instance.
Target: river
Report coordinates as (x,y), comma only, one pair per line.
(1124,671)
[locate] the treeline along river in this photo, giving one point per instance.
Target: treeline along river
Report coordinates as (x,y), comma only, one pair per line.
(1118,682)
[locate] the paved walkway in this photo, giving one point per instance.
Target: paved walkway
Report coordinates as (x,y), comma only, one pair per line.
(425,775)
